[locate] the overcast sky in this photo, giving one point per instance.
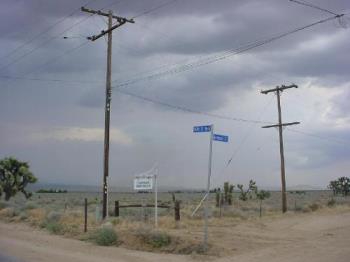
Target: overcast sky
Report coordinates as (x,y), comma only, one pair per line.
(52,90)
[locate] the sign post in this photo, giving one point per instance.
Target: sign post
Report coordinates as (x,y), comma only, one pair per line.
(145,182)
(156,198)
(206,208)
(216,137)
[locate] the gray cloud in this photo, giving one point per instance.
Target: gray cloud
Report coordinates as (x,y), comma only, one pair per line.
(182,31)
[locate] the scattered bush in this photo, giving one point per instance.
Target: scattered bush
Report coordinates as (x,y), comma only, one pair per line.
(52,191)
(193,248)
(54,228)
(30,205)
(53,216)
(314,206)
(3,205)
(23,216)
(115,221)
(104,236)
(306,209)
(331,202)
(156,239)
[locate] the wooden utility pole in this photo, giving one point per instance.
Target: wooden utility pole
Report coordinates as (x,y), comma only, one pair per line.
(111,27)
(278,90)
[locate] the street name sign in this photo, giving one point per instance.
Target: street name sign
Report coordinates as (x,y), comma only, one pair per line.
(220,138)
(198,129)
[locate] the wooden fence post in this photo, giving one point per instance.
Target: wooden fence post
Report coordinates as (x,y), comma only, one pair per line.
(116,208)
(85,215)
(177,210)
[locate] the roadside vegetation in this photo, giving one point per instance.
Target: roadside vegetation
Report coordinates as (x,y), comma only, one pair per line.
(63,214)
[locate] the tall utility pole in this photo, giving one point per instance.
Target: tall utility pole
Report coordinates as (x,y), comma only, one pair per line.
(111,27)
(278,90)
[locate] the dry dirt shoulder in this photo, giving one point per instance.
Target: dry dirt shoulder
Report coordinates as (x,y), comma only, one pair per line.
(320,236)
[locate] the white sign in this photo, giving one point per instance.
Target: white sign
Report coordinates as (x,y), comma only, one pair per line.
(143,183)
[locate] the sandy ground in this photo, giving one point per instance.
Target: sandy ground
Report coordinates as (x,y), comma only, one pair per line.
(319,236)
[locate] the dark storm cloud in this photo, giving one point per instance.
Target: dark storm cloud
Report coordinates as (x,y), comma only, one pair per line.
(180,31)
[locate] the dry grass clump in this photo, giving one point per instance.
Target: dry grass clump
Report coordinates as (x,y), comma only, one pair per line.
(8,212)
(146,238)
(153,238)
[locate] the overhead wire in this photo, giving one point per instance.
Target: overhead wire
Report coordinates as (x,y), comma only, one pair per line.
(52,38)
(222,56)
(42,44)
(16,60)
(148,11)
(60,21)
(313,6)
(186,109)
(330,139)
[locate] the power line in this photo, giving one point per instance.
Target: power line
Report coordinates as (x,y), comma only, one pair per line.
(186,109)
(46,64)
(60,21)
(313,6)
(223,55)
(54,37)
(42,44)
(330,139)
(60,56)
(49,79)
(146,12)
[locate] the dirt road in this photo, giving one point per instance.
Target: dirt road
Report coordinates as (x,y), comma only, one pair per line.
(320,236)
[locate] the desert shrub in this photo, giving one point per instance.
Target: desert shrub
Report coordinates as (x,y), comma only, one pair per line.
(54,228)
(234,213)
(298,208)
(104,236)
(115,221)
(23,216)
(3,205)
(192,248)
(331,202)
(306,209)
(53,216)
(75,214)
(314,206)
(30,205)
(156,239)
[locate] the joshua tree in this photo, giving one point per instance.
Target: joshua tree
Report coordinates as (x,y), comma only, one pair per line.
(344,185)
(340,186)
(262,195)
(14,177)
(245,194)
(228,193)
(218,197)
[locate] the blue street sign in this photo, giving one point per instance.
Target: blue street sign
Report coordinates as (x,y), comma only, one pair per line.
(197,129)
(220,138)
